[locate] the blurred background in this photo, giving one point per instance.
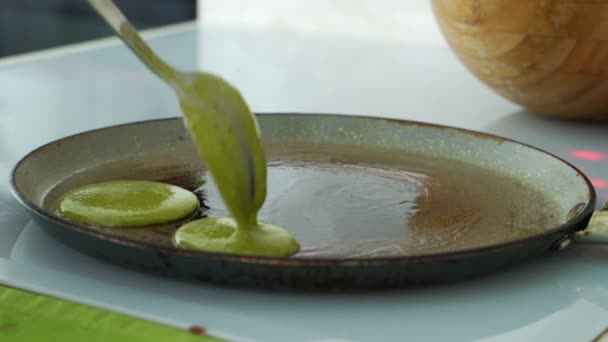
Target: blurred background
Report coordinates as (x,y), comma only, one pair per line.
(29,25)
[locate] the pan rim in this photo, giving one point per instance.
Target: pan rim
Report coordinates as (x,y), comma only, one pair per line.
(577,222)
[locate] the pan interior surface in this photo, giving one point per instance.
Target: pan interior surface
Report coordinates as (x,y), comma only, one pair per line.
(354,203)
(346,187)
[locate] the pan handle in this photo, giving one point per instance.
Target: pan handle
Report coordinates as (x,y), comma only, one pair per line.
(597,229)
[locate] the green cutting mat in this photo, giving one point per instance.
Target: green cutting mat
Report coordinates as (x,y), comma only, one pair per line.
(26,316)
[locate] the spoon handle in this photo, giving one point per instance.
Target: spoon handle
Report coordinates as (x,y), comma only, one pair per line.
(597,230)
(123,28)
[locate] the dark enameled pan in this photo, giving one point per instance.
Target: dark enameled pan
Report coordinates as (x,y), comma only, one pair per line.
(375,203)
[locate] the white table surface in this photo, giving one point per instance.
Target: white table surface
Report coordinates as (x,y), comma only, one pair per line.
(45,96)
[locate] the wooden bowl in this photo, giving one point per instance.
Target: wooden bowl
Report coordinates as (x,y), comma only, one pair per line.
(549,56)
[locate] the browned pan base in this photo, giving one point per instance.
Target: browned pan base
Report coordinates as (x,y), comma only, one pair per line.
(342,202)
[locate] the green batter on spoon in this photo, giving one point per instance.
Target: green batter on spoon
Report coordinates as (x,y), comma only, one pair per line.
(227,138)
(226,135)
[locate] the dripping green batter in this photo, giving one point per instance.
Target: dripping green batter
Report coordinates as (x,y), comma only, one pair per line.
(227,138)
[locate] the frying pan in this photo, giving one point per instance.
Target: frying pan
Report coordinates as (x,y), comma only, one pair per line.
(350,149)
